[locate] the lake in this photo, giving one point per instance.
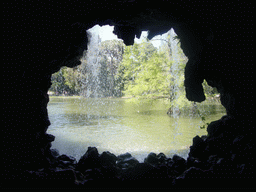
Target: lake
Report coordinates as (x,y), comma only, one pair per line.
(137,126)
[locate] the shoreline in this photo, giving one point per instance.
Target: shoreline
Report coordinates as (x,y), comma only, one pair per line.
(208,100)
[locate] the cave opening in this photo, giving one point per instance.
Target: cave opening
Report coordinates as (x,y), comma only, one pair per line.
(39,38)
(127,99)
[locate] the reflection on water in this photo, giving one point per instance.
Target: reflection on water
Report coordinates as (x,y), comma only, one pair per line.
(123,125)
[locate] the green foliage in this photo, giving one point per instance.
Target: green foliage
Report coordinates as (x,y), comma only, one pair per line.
(145,71)
(205,124)
(141,71)
(66,81)
(111,56)
(209,91)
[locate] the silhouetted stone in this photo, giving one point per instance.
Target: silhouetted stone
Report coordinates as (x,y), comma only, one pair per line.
(55,152)
(151,159)
(144,175)
(194,162)
(89,160)
(197,149)
(126,160)
(108,159)
(155,160)
(194,178)
(215,128)
(179,164)
(67,158)
(66,161)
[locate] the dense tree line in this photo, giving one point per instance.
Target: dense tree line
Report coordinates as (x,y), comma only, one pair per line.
(141,70)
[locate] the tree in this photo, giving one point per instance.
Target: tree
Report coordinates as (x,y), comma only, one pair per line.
(66,81)
(58,82)
(140,70)
(112,55)
(144,71)
(71,76)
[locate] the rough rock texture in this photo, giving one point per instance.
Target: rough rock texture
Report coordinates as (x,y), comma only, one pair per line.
(41,36)
(210,168)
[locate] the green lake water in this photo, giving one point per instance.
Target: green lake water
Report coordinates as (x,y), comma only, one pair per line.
(124,125)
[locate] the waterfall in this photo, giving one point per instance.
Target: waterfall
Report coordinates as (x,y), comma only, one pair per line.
(96,85)
(174,73)
(93,67)
(175,90)
(92,81)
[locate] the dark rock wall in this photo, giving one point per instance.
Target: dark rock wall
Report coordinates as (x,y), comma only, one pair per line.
(41,36)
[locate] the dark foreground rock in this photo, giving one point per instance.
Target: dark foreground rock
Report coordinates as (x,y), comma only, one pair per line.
(221,159)
(231,167)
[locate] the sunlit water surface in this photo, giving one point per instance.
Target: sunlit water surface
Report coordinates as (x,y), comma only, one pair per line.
(123,125)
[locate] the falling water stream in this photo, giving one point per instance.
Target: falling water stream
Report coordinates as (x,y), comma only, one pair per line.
(175,88)
(123,125)
(92,81)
